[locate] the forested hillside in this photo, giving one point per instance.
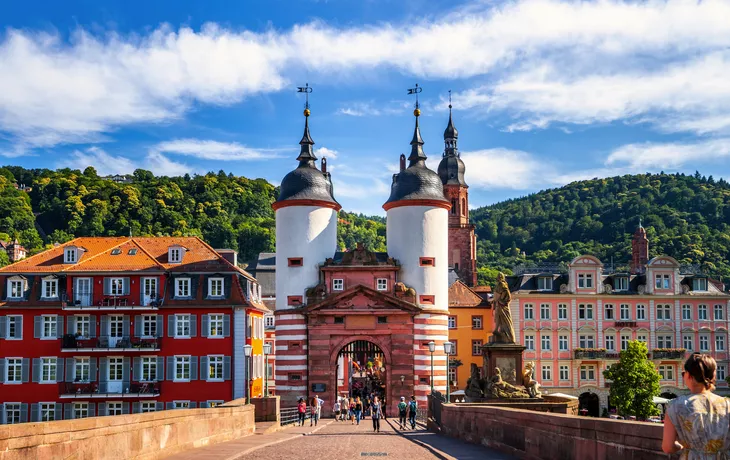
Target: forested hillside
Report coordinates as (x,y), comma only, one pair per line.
(687,217)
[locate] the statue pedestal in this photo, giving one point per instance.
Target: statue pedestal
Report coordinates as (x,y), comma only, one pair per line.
(507,357)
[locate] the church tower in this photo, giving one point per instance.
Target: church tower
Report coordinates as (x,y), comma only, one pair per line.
(462,239)
(306,235)
(639,251)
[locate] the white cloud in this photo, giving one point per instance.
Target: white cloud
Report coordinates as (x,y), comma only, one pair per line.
(324,152)
(669,156)
(501,168)
(372,109)
(214,150)
(106,164)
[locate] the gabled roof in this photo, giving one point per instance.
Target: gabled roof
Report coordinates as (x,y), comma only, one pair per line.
(352,298)
(461,295)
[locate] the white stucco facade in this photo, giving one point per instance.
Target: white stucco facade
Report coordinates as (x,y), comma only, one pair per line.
(309,232)
(413,232)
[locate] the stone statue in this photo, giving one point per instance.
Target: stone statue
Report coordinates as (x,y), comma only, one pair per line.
(473,384)
(528,380)
(498,388)
(504,331)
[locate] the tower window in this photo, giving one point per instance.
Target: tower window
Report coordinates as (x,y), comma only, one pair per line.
(427,262)
(295,261)
(426,300)
(294,300)
(463,206)
(339,320)
(382,319)
(453,206)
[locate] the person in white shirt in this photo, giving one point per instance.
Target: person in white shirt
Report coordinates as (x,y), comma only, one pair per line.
(336,410)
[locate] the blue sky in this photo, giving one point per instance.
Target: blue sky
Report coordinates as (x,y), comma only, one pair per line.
(544,91)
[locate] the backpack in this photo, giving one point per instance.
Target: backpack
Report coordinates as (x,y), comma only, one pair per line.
(402,407)
(412,407)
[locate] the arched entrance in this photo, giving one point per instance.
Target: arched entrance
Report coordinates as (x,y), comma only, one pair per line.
(361,370)
(589,404)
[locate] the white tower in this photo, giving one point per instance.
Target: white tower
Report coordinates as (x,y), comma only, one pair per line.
(306,235)
(417,236)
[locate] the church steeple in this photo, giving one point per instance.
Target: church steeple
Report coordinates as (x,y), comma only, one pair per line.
(451,135)
(417,154)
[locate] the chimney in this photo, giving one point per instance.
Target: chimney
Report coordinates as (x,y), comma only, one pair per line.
(324,165)
(402,162)
(229,254)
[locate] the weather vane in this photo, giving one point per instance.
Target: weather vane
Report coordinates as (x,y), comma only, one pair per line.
(449,99)
(306,89)
(415,91)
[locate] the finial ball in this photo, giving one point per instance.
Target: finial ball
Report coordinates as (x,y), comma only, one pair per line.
(306,112)
(417,112)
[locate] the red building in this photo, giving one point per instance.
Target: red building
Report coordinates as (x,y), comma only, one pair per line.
(107,326)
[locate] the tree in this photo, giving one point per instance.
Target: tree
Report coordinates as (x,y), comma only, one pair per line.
(634,382)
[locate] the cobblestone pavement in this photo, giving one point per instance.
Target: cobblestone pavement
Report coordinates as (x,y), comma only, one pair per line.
(341,440)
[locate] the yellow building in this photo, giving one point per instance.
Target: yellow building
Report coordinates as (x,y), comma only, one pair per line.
(255,338)
(470,325)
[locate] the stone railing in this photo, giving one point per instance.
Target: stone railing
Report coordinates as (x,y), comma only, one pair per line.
(148,436)
(590,353)
(668,353)
(536,435)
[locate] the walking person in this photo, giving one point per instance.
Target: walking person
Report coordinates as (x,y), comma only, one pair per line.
(412,410)
(336,410)
(315,410)
(698,424)
(402,412)
(301,411)
(377,412)
(352,411)
(344,409)
(358,410)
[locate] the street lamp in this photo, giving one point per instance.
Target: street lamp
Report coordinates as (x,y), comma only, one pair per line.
(267,351)
(448,347)
(431,348)
(247,352)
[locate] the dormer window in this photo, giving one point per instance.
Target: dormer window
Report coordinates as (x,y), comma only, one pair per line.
(16,287)
(585,280)
(71,255)
(544,283)
(699,284)
(662,281)
(175,254)
(621,283)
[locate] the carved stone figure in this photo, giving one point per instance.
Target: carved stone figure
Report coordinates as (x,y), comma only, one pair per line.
(563,288)
(504,331)
(474,384)
(498,388)
(641,289)
(528,380)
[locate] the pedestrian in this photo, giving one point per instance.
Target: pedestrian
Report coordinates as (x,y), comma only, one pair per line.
(302,411)
(402,412)
(358,410)
(376,412)
(344,409)
(697,424)
(412,410)
(314,411)
(336,410)
(352,411)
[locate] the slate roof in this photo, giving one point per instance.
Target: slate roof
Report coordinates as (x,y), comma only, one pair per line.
(263,268)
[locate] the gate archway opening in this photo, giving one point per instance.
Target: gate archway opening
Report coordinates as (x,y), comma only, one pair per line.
(589,404)
(361,370)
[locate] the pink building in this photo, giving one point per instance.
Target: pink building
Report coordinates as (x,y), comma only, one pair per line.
(575,322)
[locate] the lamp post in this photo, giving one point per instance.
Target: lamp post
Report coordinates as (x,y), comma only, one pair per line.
(267,351)
(448,347)
(247,352)
(431,348)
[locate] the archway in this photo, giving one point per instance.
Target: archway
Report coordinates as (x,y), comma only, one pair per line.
(361,370)
(589,404)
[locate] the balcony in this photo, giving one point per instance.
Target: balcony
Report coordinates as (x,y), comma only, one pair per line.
(117,390)
(87,303)
(590,353)
(668,353)
(109,344)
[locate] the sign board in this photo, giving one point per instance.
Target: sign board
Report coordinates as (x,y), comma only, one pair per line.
(319,387)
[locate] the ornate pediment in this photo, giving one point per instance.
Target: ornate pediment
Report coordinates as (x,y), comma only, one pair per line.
(362,298)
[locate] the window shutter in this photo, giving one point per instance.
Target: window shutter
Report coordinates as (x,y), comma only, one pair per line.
(57,411)
(104,326)
(23,412)
(3,326)
(204,368)
(194,282)
(160,368)
(2,370)
(125,326)
(92,369)
(227,285)
(125,371)
(103,370)
(226,368)
(2,414)
(71,325)
(59,369)
(37,326)
(92,326)
(204,328)
(138,325)
(59,327)
(36,370)
(193,368)
(35,410)
(203,404)
(226,325)
(137,369)
(160,331)
(92,409)
(25,370)
(171,325)
(125,408)
(68,413)
(192,405)
(170,405)
(170,368)
(28,286)
(102,409)
(125,285)
(70,364)
(107,286)
(136,407)
(204,287)
(193,325)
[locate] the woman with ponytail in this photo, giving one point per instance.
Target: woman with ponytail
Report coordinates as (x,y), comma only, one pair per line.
(697,425)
